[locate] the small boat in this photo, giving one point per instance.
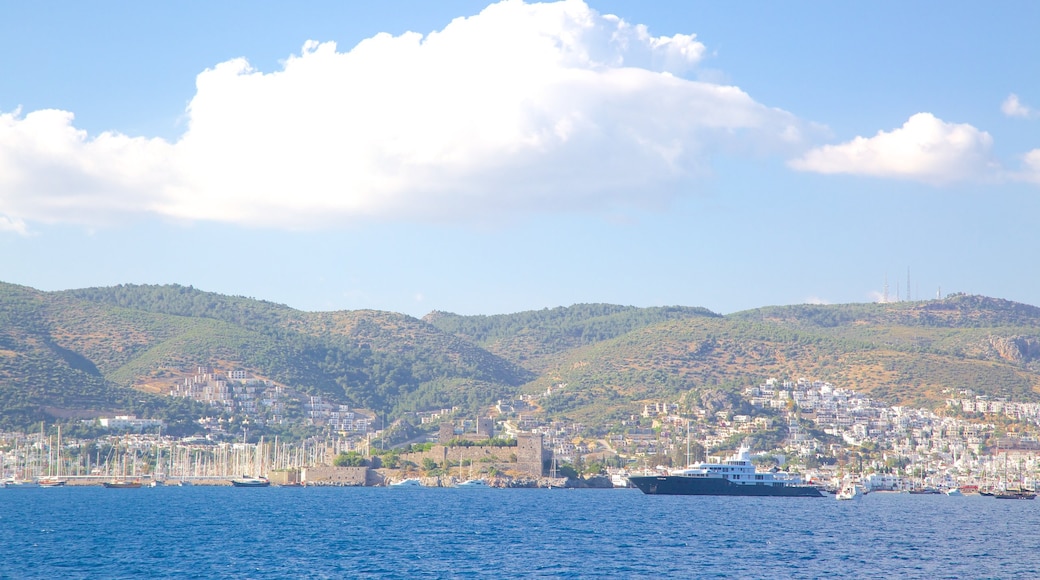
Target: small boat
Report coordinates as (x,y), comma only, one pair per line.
(121,484)
(246,481)
(473,483)
(410,482)
(619,479)
(1015,494)
(953,491)
(850,491)
(12,483)
(51,482)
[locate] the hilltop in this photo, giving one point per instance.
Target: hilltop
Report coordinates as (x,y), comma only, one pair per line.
(88,351)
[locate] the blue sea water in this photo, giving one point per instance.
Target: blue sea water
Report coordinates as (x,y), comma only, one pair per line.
(218,532)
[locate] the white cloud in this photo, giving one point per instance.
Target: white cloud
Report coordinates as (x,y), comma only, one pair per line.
(13,225)
(924,149)
(50,171)
(521,108)
(1031,167)
(1012,107)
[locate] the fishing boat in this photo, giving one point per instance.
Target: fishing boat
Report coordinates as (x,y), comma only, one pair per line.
(247,481)
(734,476)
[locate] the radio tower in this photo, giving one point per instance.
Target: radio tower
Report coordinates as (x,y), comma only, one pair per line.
(908,297)
(884,295)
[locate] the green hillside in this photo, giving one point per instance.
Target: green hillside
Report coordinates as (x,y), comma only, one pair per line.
(915,353)
(534,338)
(82,350)
(78,352)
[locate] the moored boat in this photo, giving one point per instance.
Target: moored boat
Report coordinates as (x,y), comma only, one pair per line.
(246,481)
(734,476)
(14,483)
(410,482)
(1015,493)
(121,484)
(619,479)
(473,483)
(849,491)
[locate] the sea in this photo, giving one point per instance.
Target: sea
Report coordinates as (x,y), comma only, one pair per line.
(224,532)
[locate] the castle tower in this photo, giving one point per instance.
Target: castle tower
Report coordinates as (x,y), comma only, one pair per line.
(530,456)
(485,427)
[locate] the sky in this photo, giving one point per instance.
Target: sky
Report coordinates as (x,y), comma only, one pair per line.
(494,158)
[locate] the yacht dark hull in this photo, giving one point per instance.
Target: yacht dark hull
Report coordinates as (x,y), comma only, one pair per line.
(250,483)
(680,485)
(121,484)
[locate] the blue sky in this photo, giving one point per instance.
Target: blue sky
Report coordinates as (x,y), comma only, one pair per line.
(487,159)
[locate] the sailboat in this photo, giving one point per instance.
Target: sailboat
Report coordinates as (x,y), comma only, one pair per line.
(469,483)
(18,479)
(1017,492)
(53,480)
(123,483)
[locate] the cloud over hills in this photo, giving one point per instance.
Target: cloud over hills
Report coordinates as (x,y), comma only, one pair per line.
(925,149)
(522,108)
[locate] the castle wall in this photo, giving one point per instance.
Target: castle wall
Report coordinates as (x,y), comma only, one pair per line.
(325,475)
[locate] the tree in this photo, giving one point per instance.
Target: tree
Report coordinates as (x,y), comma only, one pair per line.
(349,459)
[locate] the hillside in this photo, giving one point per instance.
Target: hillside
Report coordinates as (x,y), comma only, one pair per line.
(534,338)
(85,351)
(80,351)
(915,353)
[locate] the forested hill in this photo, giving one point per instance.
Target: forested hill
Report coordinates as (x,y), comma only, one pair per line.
(954,311)
(914,353)
(86,351)
(80,351)
(531,338)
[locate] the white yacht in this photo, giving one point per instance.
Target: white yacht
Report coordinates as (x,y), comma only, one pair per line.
(619,479)
(849,491)
(410,482)
(734,476)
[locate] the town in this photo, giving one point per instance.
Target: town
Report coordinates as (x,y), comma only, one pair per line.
(823,432)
